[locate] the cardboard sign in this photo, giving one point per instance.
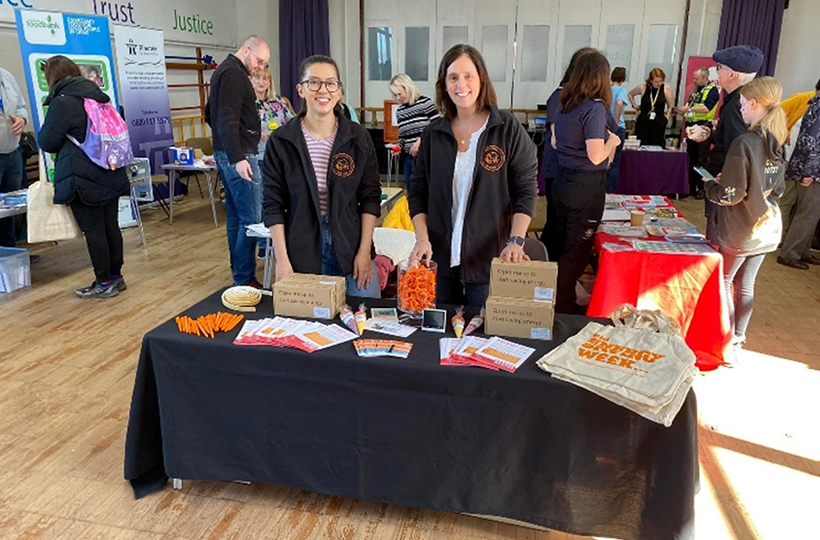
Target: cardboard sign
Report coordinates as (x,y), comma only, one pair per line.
(530,280)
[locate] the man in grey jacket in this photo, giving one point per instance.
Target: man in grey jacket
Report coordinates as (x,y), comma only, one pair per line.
(13,118)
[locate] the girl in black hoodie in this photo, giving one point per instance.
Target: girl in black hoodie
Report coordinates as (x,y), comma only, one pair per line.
(748,217)
(91,191)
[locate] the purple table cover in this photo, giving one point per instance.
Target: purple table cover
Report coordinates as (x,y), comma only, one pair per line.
(653,173)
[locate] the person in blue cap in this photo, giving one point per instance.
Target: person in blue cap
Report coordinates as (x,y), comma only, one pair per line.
(736,67)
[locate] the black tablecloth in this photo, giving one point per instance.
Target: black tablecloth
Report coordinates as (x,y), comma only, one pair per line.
(408,432)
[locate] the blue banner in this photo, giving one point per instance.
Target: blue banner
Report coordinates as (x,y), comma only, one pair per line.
(83,38)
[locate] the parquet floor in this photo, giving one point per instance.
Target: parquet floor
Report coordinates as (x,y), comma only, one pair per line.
(67,368)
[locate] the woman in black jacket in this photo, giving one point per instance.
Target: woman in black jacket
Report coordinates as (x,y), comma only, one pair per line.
(473,184)
(321,186)
(91,191)
(748,217)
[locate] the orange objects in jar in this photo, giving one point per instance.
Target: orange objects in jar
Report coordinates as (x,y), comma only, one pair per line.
(417,288)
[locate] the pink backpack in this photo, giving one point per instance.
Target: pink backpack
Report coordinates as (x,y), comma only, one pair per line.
(107,142)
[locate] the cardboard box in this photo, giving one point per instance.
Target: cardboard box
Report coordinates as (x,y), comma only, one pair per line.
(514,317)
(183,155)
(309,295)
(531,280)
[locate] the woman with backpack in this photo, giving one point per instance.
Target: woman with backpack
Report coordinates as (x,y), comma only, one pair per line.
(91,190)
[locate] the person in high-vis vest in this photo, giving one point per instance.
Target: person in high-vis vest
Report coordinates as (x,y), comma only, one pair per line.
(699,111)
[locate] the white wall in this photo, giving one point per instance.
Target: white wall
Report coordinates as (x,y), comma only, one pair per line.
(798,61)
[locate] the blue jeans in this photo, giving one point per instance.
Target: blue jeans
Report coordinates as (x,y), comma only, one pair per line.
(11,179)
(241,210)
(408,170)
(258,194)
(612,175)
(739,275)
(331,267)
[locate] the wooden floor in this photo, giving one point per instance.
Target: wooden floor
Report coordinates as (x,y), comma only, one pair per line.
(67,369)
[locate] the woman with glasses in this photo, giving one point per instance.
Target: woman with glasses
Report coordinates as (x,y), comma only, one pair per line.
(413,115)
(321,186)
(274,112)
(473,182)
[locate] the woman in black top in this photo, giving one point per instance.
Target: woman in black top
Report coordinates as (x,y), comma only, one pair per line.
(656,108)
(473,185)
(91,191)
(585,144)
(321,186)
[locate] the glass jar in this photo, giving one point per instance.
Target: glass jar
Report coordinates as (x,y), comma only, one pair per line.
(417,288)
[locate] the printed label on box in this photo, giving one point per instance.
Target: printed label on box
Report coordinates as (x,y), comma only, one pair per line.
(321,312)
(327,283)
(540,333)
(544,293)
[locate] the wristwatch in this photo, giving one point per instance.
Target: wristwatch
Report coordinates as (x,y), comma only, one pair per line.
(516,240)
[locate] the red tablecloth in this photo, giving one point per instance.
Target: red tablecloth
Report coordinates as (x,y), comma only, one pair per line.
(687,287)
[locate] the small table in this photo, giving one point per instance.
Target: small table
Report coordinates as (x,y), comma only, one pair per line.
(645,172)
(8,211)
(392,161)
(173,175)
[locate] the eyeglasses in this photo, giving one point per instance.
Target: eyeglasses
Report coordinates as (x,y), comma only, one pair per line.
(257,60)
(314,85)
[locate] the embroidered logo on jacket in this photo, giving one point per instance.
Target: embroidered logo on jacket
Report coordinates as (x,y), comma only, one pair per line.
(493,158)
(342,165)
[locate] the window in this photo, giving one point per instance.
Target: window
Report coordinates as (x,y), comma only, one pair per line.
(534,52)
(417,52)
(662,49)
(619,39)
(380,53)
(494,51)
(576,36)
(453,35)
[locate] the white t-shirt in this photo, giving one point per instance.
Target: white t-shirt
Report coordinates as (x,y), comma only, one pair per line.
(462,184)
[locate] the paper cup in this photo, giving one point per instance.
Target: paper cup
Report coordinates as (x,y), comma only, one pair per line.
(636,218)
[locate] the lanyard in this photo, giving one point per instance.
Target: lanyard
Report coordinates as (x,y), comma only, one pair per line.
(653,100)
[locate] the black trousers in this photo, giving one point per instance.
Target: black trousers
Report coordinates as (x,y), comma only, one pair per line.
(579,206)
(549,234)
(102,236)
(698,153)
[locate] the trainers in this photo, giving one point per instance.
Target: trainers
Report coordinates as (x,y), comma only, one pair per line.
(119,283)
(106,289)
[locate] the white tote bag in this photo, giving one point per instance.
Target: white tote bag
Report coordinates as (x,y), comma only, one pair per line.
(48,222)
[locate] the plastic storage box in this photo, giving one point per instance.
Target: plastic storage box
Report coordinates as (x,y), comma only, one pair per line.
(15,269)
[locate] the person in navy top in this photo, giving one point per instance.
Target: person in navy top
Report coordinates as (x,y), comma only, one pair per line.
(585,144)
(549,162)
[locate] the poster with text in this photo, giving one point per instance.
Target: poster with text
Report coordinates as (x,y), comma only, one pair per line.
(144,92)
(82,38)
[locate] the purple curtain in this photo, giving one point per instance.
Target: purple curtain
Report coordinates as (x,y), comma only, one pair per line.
(753,22)
(303,30)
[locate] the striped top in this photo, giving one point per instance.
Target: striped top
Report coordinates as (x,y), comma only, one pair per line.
(319,150)
(413,119)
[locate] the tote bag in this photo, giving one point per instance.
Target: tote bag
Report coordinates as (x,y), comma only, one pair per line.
(48,222)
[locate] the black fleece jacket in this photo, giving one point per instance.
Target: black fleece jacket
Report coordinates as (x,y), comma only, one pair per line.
(231,111)
(75,175)
(504,183)
(291,194)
